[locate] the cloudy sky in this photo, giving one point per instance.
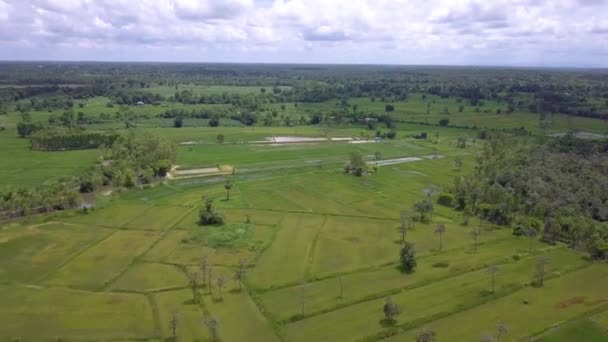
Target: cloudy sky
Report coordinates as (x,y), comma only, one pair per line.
(461,32)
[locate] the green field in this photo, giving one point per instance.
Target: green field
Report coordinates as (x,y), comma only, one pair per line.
(313,233)
(320,247)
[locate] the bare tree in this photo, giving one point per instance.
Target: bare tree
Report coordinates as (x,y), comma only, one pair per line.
(241,273)
(425,334)
(501,329)
(440,230)
(540,270)
(493,269)
(173,324)
(475,236)
(221,282)
(212,324)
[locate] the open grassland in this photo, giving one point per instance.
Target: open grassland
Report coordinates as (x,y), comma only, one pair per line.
(320,249)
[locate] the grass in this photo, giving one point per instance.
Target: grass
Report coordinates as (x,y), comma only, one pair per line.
(118,272)
(28,254)
(36,314)
(559,300)
(104,261)
(21,166)
(580,330)
(424,303)
(150,277)
(325,294)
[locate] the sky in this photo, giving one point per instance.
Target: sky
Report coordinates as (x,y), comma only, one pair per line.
(572,33)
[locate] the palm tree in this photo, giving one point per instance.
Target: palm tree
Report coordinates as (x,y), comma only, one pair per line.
(228,186)
(440,230)
(493,269)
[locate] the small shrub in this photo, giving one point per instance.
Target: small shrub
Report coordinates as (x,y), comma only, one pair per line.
(446,199)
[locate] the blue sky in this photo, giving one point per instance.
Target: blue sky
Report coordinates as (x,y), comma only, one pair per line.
(466,32)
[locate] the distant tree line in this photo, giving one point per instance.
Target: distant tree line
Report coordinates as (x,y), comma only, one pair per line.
(57,139)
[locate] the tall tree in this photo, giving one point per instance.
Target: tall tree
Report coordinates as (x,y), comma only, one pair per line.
(493,269)
(440,229)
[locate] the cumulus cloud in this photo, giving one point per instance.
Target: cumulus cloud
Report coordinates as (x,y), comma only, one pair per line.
(367,31)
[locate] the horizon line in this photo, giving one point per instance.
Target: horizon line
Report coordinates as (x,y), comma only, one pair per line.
(489,66)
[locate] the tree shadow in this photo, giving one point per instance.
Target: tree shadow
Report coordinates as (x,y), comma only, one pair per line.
(388,322)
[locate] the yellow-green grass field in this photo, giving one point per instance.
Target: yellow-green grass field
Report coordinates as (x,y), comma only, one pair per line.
(320,250)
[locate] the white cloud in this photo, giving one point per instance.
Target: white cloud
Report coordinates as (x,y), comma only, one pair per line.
(377,31)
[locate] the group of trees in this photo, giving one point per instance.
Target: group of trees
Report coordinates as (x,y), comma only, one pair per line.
(70,139)
(558,187)
(53,195)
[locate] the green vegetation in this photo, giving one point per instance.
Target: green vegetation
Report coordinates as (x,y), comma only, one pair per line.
(219,207)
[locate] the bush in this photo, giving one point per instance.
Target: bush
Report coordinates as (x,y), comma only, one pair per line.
(208,216)
(163,167)
(391,135)
(444,122)
(446,199)
(214,121)
(178,122)
(389,108)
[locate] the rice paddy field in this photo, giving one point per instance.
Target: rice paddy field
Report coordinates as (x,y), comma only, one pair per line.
(320,247)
